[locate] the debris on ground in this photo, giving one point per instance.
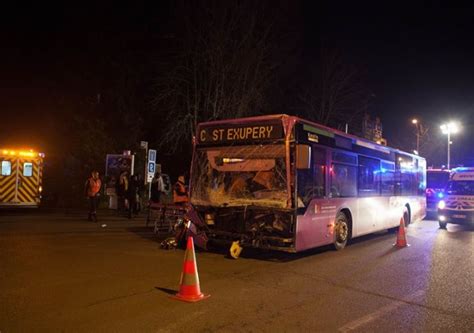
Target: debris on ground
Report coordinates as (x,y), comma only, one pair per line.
(169,244)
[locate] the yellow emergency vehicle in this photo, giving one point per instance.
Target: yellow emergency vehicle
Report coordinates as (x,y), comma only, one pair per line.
(20,178)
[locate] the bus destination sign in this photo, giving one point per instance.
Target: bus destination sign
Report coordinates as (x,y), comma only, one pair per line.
(239,133)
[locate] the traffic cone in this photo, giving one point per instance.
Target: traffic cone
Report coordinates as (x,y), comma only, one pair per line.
(189,290)
(401,236)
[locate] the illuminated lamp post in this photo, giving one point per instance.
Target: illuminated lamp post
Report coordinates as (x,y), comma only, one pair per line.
(449,128)
(415,122)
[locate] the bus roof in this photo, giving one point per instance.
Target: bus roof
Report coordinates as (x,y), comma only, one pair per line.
(291,120)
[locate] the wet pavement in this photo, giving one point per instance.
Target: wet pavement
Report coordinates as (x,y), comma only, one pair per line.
(60,272)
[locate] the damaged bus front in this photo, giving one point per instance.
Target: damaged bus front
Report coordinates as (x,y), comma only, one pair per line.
(239,184)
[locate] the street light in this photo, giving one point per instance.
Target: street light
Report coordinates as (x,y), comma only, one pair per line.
(415,122)
(449,128)
(421,131)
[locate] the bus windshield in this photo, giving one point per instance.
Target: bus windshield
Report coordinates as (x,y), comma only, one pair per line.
(240,176)
(464,187)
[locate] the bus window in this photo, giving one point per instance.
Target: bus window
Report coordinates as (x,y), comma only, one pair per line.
(319,168)
(305,185)
(6,168)
(311,181)
(338,156)
(387,178)
(369,179)
(27,169)
(343,181)
(240,175)
(409,183)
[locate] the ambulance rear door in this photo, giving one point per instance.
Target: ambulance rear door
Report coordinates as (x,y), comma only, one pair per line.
(8,180)
(28,181)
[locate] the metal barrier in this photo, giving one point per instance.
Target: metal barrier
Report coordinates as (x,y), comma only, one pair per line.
(164,216)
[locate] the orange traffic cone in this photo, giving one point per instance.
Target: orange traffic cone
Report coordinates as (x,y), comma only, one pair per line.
(189,290)
(401,236)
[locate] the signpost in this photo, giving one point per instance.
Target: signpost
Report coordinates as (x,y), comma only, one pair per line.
(152,155)
(151,171)
(151,164)
(151,168)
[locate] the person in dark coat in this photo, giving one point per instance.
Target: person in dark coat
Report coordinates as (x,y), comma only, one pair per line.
(133,195)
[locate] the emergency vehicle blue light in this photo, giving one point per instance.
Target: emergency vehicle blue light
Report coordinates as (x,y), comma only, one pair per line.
(440,195)
(462,169)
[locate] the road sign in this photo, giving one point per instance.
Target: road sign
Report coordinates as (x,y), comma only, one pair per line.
(151,170)
(151,167)
(152,155)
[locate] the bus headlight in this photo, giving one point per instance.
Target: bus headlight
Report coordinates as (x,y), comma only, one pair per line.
(441,204)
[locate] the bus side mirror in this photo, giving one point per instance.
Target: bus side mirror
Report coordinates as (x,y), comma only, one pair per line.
(303,157)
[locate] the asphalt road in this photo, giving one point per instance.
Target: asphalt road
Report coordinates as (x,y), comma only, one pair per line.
(59,272)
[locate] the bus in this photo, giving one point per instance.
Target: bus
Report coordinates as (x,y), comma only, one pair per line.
(20,178)
(284,183)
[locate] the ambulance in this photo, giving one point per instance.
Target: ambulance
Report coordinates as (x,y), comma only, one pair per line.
(457,203)
(20,178)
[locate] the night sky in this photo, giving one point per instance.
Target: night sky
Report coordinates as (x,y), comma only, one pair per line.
(418,60)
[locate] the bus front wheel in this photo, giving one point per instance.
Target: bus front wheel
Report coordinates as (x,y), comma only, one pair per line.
(341,231)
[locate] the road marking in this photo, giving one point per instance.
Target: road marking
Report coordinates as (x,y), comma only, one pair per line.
(353,325)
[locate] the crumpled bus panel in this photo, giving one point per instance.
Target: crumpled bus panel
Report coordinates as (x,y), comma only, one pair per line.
(260,228)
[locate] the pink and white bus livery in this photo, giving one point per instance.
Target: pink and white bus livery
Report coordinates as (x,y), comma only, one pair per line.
(280,182)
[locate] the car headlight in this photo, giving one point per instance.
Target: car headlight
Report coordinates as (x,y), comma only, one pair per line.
(441,204)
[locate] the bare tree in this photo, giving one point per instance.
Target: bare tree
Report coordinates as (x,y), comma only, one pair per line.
(335,93)
(223,68)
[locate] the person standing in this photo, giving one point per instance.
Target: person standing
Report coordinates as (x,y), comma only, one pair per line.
(122,192)
(133,196)
(157,188)
(180,195)
(92,191)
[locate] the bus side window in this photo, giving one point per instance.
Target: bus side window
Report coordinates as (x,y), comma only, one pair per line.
(6,168)
(369,176)
(343,180)
(305,184)
(319,168)
(311,182)
(388,183)
(387,178)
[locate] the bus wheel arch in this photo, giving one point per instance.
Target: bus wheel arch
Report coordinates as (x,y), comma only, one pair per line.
(342,229)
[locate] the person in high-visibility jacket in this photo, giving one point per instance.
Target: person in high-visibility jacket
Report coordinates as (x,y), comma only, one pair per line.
(180,195)
(92,191)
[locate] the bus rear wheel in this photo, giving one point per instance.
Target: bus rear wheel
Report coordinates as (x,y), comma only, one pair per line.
(406,216)
(341,231)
